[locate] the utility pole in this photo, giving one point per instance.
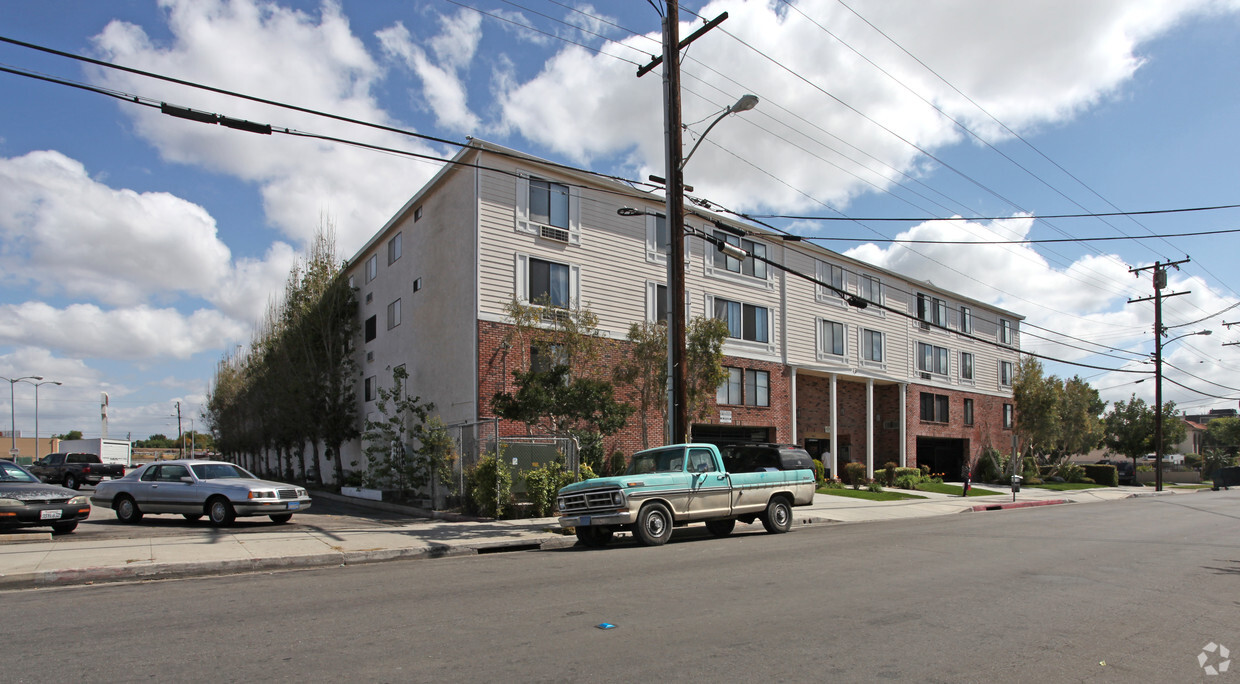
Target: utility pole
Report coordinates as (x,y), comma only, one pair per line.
(1160,282)
(677,368)
(180,438)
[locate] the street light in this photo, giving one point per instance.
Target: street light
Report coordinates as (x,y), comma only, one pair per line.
(36,410)
(746,103)
(1158,412)
(13,412)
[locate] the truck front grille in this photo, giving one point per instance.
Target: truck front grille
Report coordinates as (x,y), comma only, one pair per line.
(584,502)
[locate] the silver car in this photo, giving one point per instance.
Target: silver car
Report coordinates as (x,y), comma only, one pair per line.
(194,488)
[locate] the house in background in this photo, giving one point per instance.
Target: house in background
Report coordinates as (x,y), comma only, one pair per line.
(922,376)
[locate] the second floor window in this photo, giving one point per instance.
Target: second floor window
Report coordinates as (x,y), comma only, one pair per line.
(745,321)
(757,388)
(548,283)
(931,359)
(966,366)
(833,342)
(1005,373)
(934,407)
(872,345)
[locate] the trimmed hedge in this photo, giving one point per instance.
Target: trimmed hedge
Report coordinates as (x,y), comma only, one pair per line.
(1107,475)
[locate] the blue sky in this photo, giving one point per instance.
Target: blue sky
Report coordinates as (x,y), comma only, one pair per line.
(138,249)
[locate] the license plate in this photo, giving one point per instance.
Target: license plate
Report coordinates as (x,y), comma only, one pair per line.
(49,515)
(583,520)
(294,504)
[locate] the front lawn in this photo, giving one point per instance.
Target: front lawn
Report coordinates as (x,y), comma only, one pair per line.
(1066,486)
(885,495)
(954,490)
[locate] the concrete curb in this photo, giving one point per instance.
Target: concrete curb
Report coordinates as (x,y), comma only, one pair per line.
(1018,504)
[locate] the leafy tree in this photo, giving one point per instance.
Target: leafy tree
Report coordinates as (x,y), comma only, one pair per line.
(391,455)
(70,435)
(1080,414)
(1130,429)
(704,355)
(1038,399)
(1224,434)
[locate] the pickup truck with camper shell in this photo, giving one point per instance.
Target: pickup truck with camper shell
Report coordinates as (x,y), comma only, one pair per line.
(672,486)
(75,469)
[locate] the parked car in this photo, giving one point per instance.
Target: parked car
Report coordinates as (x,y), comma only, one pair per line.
(1123,469)
(75,469)
(194,488)
(756,458)
(27,502)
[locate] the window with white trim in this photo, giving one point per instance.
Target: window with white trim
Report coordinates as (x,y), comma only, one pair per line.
(745,321)
(750,266)
(1005,331)
(834,276)
(931,310)
(931,359)
(966,366)
(831,338)
(870,289)
(872,345)
(548,210)
(657,239)
(1005,373)
(547,283)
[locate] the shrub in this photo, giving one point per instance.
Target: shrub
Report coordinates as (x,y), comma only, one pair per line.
(1193,461)
(907,481)
(618,463)
(543,483)
(1102,474)
(818,472)
(925,470)
(990,466)
(1072,472)
(488,486)
(874,486)
(889,473)
(832,484)
(854,474)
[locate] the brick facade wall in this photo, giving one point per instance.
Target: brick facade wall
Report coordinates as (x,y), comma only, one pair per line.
(987,428)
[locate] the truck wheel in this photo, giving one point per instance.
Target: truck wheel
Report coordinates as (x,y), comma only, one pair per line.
(220,512)
(721,528)
(127,510)
(594,537)
(654,524)
(778,516)
(71,481)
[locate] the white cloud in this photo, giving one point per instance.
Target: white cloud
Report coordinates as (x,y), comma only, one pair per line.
(285,55)
(454,48)
(135,333)
(1028,63)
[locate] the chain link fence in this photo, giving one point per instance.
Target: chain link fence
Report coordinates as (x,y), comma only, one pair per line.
(518,454)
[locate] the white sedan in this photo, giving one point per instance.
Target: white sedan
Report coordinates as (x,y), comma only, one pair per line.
(194,488)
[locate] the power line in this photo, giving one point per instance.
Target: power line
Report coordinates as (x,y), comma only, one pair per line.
(927,219)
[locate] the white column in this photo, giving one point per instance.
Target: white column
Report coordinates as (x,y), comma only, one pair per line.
(904,425)
(835,453)
(869,427)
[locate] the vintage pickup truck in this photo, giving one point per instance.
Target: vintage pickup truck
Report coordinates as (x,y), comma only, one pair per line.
(672,486)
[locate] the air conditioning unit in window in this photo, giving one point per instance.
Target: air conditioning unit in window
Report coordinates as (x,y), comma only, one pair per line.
(553,233)
(923,325)
(891,424)
(925,376)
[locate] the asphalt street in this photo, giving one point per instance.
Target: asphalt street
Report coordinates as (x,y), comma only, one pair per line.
(1119,591)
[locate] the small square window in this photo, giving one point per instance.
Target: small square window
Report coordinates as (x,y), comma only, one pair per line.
(417,284)
(417,214)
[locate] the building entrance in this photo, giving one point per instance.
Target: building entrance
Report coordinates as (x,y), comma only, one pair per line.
(944,456)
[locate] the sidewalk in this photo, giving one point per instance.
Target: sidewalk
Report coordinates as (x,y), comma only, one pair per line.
(34,559)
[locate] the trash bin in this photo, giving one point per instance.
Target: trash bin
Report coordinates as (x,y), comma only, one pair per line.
(1016,483)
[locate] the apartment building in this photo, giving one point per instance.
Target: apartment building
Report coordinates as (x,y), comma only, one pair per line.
(920,376)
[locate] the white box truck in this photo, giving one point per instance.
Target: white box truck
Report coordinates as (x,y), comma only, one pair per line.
(109,450)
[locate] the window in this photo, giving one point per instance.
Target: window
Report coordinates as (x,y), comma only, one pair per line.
(872,345)
(757,388)
(931,359)
(548,283)
(966,366)
(966,320)
(870,289)
(702,461)
(370,388)
(934,407)
(657,238)
(932,310)
(1005,331)
(372,267)
(729,391)
(417,214)
(831,275)
(351,283)
(659,303)
(750,266)
(549,203)
(393,314)
(832,340)
(1005,373)
(417,285)
(1009,419)
(745,321)
(545,357)
(968,411)
(371,328)
(394,249)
